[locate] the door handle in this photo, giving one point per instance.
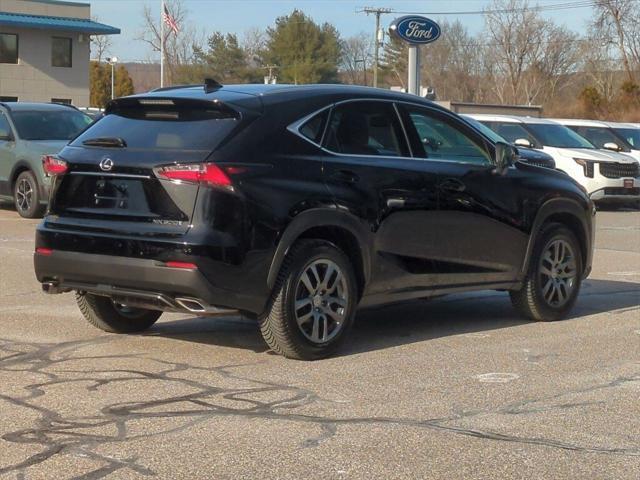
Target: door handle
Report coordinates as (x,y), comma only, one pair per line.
(452,185)
(346,176)
(395,202)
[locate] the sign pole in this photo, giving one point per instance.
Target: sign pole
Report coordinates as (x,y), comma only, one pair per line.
(413,82)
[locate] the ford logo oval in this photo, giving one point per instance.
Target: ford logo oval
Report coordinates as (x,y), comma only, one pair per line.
(106,164)
(415,29)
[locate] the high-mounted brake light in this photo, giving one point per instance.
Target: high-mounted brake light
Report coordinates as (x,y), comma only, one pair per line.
(53,165)
(207,173)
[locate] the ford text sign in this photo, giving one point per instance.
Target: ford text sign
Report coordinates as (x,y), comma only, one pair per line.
(415,29)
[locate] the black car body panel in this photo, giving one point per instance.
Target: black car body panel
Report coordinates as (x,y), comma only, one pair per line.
(412,227)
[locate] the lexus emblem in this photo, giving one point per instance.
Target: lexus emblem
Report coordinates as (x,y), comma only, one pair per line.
(106,164)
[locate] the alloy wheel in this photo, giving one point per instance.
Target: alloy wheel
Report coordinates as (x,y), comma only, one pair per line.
(24,194)
(321,301)
(558,273)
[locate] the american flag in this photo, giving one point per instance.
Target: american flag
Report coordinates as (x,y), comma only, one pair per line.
(169,20)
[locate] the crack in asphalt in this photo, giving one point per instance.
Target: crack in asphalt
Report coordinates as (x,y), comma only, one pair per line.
(56,433)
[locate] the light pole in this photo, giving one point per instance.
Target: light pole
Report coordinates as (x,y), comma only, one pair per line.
(112,61)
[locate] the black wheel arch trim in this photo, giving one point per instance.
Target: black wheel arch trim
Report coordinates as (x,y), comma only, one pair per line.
(565,206)
(318,218)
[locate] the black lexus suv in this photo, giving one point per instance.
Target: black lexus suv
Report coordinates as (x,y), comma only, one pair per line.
(295,205)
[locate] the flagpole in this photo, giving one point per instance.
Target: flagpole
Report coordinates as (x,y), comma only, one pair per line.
(161,44)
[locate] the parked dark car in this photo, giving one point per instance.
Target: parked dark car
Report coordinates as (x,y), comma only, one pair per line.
(27,132)
(295,205)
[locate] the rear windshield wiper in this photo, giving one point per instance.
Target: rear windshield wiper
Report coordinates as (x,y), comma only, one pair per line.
(112,142)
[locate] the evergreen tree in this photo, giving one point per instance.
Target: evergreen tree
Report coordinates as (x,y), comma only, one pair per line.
(303,51)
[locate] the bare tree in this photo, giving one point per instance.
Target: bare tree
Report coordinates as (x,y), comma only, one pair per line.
(515,32)
(618,20)
(178,51)
(356,56)
(100,45)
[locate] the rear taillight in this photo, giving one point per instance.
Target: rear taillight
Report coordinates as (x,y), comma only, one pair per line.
(53,165)
(183,265)
(44,251)
(205,173)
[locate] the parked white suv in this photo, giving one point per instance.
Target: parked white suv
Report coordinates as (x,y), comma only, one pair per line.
(606,175)
(617,137)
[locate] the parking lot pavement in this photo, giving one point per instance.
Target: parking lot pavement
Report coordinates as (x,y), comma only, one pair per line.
(458,387)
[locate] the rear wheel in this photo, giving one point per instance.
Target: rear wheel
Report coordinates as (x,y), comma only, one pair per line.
(313,304)
(107,315)
(554,277)
(26,196)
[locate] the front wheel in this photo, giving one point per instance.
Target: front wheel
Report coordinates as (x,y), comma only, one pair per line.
(112,317)
(313,304)
(554,277)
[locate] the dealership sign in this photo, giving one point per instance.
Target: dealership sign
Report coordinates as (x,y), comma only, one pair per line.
(415,29)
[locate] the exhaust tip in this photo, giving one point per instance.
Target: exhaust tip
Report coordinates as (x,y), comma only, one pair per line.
(191,304)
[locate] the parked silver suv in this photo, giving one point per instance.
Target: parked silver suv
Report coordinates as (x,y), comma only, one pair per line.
(27,132)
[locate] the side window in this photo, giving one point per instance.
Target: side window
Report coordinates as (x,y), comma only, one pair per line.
(5,129)
(314,127)
(366,128)
(440,139)
(512,132)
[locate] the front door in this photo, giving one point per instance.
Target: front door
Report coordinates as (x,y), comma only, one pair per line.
(477,237)
(370,172)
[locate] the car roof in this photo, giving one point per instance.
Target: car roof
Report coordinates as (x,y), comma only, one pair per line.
(34,106)
(622,125)
(272,94)
(577,122)
(510,118)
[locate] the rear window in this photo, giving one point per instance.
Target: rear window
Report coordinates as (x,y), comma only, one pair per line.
(152,128)
(49,125)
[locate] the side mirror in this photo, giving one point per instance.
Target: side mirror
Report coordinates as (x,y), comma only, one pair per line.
(506,155)
(5,135)
(523,142)
(612,146)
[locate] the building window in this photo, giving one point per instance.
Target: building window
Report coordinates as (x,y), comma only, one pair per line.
(8,99)
(61,52)
(8,48)
(63,101)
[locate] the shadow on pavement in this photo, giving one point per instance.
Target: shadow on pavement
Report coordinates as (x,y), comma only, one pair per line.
(410,322)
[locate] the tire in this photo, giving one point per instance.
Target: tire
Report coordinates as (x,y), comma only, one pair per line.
(319,333)
(26,196)
(103,313)
(546,297)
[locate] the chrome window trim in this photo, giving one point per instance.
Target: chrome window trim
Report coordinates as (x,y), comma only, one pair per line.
(295,126)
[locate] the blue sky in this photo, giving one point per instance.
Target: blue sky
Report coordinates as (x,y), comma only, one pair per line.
(237,16)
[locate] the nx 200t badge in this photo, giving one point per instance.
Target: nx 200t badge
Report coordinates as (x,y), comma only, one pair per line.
(106,164)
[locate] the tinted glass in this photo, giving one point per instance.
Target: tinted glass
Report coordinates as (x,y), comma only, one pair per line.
(558,136)
(631,135)
(51,125)
(5,129)
(484,129)
(61,52)
(512,131)
(314,128)
(599,136)
(366,128)
(8,48)
(185,130)
(444,141)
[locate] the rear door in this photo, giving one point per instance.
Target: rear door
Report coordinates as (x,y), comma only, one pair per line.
(112,181)
(370,172)
(477,236)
